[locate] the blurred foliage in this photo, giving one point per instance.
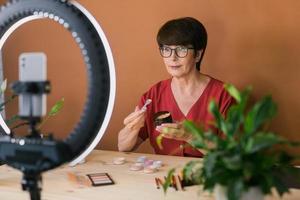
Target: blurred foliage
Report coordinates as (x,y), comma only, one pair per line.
(245,157)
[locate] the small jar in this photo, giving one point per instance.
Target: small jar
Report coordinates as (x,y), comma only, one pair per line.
(162,117)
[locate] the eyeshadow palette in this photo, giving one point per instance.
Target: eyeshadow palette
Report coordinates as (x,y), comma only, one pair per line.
(98,179)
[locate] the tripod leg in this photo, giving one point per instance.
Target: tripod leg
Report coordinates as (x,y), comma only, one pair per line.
(32,182)
(35,195)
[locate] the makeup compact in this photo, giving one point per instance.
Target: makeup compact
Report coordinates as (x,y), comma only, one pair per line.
(141,159)
(98,179)
(162,117)
(119,160)
(137,167)
(150,169)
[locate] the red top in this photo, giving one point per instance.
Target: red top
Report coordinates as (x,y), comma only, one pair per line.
(163,100)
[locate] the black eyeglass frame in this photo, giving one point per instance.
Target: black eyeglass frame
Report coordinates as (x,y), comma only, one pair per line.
(175,50)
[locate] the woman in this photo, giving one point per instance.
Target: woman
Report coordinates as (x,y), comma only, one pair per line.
(182,43)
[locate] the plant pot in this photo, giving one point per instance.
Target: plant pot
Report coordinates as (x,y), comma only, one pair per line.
(220,193)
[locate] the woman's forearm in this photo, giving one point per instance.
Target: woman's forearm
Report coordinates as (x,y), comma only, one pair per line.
(128,139)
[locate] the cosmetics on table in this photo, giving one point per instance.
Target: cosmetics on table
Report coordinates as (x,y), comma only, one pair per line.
(147,165)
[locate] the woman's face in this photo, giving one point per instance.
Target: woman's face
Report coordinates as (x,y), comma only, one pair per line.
(182,60)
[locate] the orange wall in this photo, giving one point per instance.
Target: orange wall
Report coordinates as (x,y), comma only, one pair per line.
(250,42)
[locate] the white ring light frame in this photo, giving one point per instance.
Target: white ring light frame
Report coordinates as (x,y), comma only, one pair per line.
(112,77)
(112,93)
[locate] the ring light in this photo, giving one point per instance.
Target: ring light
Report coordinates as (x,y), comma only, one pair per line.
(97,56)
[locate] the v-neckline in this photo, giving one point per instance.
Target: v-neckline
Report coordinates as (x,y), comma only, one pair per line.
(195,103)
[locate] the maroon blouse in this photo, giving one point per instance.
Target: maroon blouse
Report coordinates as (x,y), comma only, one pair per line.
(163,100)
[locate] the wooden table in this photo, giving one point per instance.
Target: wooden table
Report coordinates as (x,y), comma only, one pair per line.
(129,185)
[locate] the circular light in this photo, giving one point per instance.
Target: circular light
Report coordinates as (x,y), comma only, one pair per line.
(97,56)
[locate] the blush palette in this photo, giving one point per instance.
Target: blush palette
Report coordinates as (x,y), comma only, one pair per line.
(98,179)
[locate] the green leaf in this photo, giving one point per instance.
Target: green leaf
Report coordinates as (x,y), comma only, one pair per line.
(219,119)
(198,140)
(280,186)
(159,141)
(191,127)
(233,162)
(168,180)
(188,170)
(262,141)
(53,111)
(248,171)
(233,91)
(197,175)
(287,172)
(12,120)
(259,114)
(12,97)
(234,119)
(57,107)
(211,136)
(209,163)
(192,172)
(235,189)
(198,144)
(245,96)
(235,113)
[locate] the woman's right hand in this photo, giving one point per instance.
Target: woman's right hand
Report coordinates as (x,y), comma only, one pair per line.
(136,119)
(128,138)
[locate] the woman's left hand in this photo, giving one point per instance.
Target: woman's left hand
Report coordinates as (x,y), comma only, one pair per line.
(174,131)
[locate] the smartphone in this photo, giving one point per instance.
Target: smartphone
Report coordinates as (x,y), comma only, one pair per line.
(32,67)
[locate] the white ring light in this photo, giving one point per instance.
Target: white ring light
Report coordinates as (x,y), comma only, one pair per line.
(52,9)
(112,75)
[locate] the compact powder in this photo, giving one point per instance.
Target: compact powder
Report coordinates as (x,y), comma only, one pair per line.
(162,117)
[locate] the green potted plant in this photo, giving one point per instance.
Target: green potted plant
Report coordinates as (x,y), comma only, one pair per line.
(244,161)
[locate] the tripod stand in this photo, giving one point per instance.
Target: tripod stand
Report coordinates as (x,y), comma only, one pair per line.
(32,182)
(32,178)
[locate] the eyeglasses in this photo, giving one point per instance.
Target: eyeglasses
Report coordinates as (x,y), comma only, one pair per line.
(180,51)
